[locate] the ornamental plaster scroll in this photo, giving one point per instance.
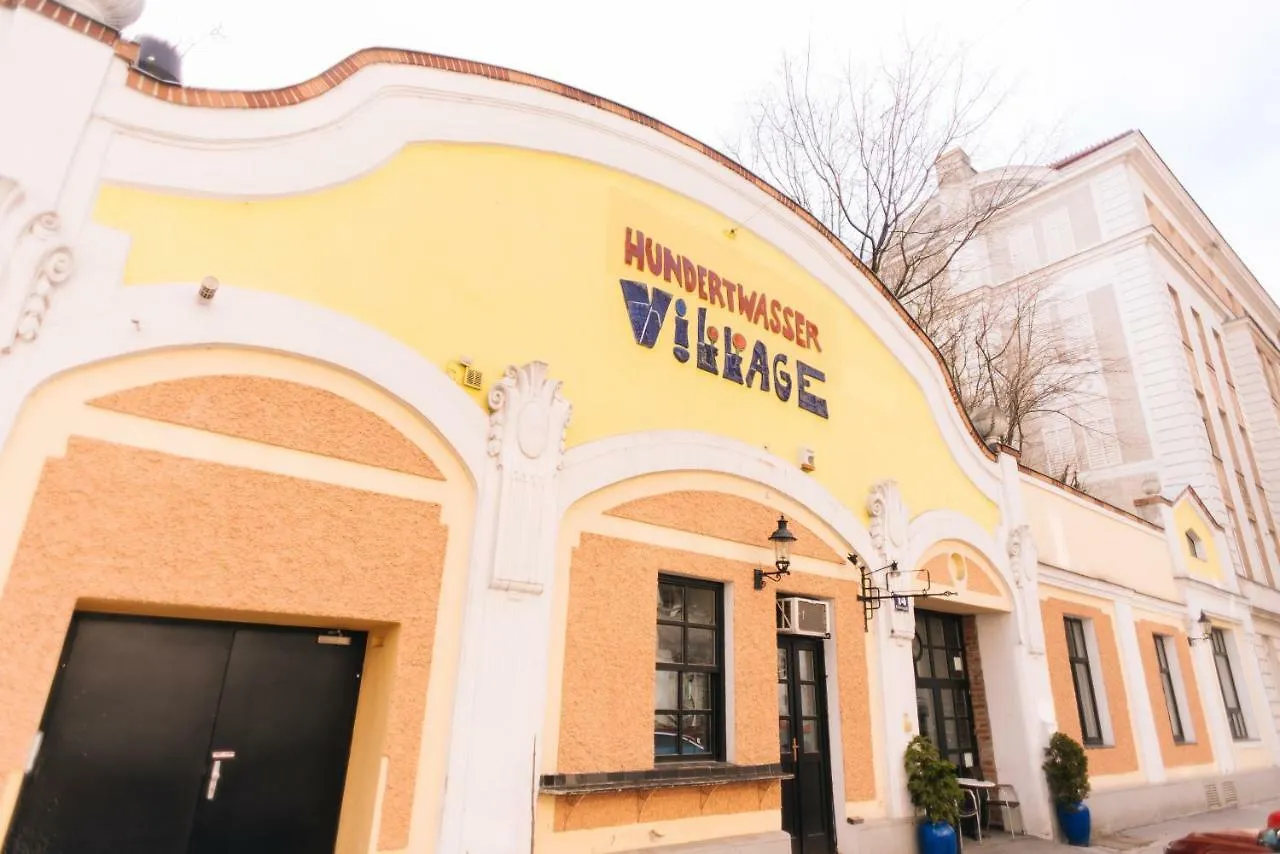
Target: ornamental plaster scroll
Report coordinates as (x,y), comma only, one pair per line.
(888,520)
(1023,566)
(527,425)
(34,260)
(888,529)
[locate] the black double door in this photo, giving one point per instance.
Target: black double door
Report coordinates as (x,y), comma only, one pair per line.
(943,704)
(807,811)
(175,737)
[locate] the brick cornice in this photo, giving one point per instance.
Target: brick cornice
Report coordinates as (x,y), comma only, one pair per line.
(60,14)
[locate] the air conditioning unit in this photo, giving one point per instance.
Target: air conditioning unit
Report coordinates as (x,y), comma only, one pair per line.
(810,617)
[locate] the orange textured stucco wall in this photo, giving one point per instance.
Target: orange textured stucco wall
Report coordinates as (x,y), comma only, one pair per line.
(606,721)
(1122,757)
(276,412)
(620,808)
(1199,751)
(729,517)
(131,528)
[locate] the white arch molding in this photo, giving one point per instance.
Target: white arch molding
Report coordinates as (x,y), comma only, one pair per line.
(933,526)
(596,465)
(82,330)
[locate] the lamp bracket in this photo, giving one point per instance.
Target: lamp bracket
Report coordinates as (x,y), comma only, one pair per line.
(872,594)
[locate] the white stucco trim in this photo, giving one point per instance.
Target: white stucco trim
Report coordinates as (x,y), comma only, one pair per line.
(936,525)
(356,127)
(591,467)
(85,328)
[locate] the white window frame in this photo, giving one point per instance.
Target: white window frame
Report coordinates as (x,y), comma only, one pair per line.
(1179,686)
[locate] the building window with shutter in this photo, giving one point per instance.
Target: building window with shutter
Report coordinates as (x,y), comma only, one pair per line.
(1082,678)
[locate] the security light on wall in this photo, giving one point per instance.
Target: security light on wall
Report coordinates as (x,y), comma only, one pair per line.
(782,538)
(1206,629)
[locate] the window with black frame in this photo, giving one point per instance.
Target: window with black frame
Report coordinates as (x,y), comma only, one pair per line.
(1227,681)
(688,688)
(1082,677)
(1163,644)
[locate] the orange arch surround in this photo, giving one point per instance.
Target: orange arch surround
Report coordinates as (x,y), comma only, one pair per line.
(277,412)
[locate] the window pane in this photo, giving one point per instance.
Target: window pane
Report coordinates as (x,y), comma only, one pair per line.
(784,700)
(935,632)
(949,732)
(670,602)
(694,734)
(1087,706)
(782,665)
(702,646)
(925,713)
(964,730)
(784,735)
(664,689)
(670,640)
(697,691)
(948,704)
(805,657)
(664,735)
(940,668)
(1228,684)
(809,736)
(701,605)
(918,653)
(808,699)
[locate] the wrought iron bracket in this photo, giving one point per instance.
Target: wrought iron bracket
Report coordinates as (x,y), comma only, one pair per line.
(872,594)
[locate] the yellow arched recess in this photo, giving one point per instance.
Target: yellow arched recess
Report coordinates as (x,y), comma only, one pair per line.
(506,256)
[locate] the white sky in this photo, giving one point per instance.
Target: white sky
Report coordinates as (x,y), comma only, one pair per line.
(1202,80)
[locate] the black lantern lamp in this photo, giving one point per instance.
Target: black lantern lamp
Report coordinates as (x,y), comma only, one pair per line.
(782,539)
(1206,628)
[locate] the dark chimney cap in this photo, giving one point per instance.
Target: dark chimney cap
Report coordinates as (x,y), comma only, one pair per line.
(159,59)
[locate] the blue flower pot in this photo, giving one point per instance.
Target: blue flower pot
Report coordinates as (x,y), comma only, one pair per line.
(936,837)
(1075,823)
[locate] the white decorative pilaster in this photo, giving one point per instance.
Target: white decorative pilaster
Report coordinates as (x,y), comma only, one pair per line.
(888,529)
(502,678)
(895,631)
(34,260)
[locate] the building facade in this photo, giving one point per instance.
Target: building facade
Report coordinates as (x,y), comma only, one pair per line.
(1186,339)
(389,463)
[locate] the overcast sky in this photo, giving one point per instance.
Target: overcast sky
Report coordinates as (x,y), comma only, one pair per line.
(1202,80)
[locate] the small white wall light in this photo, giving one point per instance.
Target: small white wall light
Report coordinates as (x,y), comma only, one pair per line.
(208,287)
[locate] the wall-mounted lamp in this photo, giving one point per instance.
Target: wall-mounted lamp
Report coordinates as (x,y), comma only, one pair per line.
(782,539)
(1206,629)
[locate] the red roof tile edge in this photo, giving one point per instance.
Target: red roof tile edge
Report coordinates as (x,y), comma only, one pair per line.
(1085,152)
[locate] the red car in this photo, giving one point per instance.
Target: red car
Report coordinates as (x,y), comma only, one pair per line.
(1230,842)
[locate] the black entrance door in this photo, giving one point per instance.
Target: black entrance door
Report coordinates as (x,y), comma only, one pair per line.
(167,737)
(942,690)
(802,736)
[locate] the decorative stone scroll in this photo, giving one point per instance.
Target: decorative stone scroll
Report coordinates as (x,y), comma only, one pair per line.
(1023,566)
(888,520)
(527,424)
(34,260)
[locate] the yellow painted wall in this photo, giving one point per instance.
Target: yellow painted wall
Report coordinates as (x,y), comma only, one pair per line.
(507,256)
(1073,534)
(1187,518)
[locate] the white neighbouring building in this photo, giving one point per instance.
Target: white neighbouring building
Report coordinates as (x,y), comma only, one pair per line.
(1189,345)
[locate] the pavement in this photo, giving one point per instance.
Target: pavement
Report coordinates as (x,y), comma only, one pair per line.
(1150,839)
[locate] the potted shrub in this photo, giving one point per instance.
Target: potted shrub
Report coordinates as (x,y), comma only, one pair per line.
(1066,769)
(931,781)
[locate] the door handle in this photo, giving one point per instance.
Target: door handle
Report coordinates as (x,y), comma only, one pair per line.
(795,751)
(216,773)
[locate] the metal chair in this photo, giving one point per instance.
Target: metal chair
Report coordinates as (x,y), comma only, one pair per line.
(969,797)
(1005,797)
